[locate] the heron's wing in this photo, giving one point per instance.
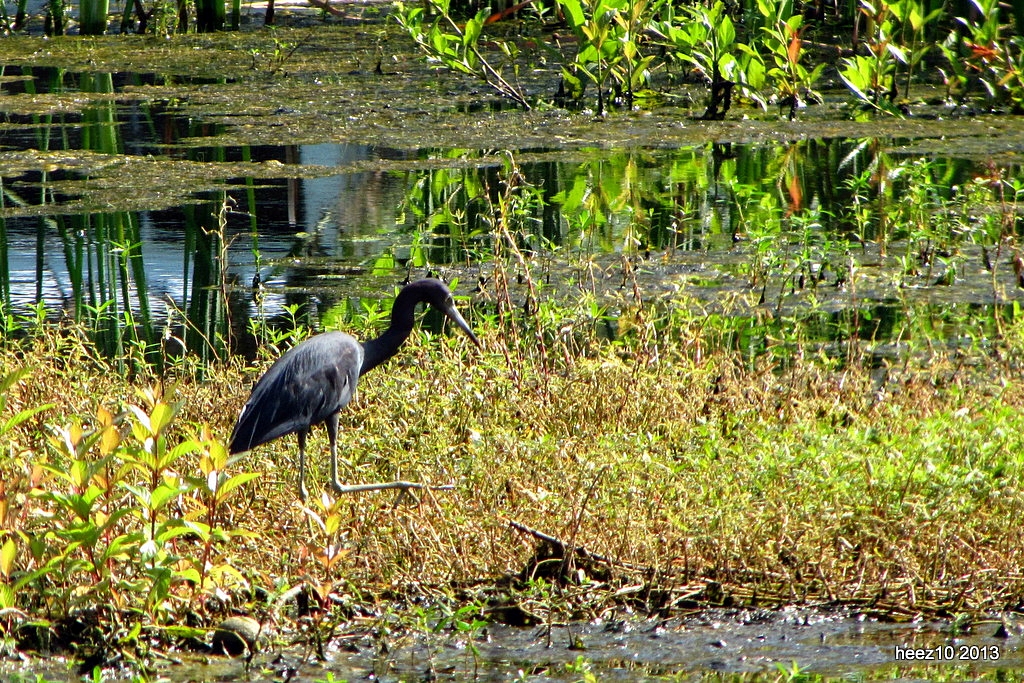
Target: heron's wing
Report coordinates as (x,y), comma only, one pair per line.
(304,387)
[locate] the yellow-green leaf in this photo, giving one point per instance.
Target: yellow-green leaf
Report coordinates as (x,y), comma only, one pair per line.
(8,553)
(160,417)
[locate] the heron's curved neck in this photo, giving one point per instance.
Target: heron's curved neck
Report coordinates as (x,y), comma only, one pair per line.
(376,351)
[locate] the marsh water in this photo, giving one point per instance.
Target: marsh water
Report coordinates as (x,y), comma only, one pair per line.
(722,645)
(163,201)
(183,205)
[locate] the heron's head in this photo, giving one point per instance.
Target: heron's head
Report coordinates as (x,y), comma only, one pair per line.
(437,294)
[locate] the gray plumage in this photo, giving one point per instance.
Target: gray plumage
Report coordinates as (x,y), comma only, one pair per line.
(314,380)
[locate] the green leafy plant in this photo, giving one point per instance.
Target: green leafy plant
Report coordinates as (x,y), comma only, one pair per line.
(117,528)
(793,673)
(609,38)
(457,47)
(980,50)
(781,37)
(913,18)
(872,77)
(12,584)
(706,39)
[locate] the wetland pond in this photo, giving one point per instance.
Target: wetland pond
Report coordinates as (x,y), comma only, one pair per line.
(144,185)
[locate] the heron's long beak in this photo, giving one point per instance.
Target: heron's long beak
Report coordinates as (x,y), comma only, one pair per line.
(456,317)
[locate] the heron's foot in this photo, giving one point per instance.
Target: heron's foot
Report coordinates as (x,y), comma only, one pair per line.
(340,488)
(303,493)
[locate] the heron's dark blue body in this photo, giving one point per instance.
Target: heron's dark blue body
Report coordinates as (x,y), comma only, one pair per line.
(313,381)
(306,385)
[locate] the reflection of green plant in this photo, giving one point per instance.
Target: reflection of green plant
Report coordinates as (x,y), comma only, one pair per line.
(446,208)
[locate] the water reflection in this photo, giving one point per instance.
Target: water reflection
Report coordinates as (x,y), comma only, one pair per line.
(858,223)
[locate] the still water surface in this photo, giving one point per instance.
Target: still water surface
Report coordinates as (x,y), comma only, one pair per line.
(321,223)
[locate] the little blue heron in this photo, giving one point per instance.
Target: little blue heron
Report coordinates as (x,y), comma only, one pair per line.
(313,381)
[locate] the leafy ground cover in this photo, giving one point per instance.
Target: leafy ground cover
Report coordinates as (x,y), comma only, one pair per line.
(659,472)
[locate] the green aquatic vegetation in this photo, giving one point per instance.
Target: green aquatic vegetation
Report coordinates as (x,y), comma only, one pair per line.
(793,82)
(457,47)
(706,39)
(914,17)
(610,41)
(92,17)
(619,46)
(872,77)
(982,50)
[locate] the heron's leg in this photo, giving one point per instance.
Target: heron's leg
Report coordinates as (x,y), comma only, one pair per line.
(302,465)
(332,435)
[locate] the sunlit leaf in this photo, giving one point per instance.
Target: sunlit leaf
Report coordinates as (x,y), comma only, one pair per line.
(104,417)
(897,52)
(109,440)
(726,32)
(218,453)
(223,572)
(121,547)
(22,416)
(8,380)
(160,417)
(162,495)
(234,482)
(191,574)
(473,27)
(182,448)
(315,517)
(572,10)
(793,52)
(8,553)
(384,265)
(175,528)
(206,465)
(142,420)
(6,597)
